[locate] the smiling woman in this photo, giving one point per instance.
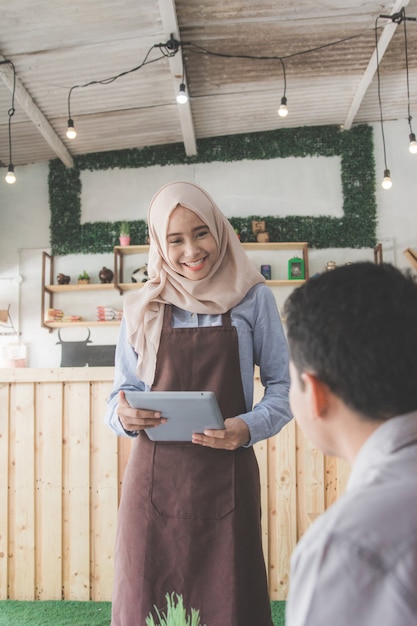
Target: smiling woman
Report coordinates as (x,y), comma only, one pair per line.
(189,513)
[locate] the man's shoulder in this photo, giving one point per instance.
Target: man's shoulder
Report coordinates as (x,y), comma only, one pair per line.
(373,519)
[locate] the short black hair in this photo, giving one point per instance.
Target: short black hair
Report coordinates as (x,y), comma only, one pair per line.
(355,328)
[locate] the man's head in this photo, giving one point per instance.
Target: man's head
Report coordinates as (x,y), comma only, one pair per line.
(355,330)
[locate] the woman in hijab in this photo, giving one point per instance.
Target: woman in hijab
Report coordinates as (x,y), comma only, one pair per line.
(189,518)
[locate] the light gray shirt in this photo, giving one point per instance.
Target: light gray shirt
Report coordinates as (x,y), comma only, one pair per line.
(261,342)
(357,563)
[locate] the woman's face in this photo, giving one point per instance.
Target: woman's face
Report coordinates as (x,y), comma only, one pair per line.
(192,249)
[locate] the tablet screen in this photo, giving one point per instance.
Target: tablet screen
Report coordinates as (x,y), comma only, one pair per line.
(187,412)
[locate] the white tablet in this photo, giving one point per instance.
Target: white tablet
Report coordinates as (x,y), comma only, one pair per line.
(187,412)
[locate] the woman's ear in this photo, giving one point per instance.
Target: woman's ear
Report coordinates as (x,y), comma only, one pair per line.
(317,393)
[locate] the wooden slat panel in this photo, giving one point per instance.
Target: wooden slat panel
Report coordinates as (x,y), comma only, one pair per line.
(76,452)
(282,503)
(124,445)
(76,499)
(104,496)
(261,451)
(342,473)
(48,491)
(310,483)
(24,514)
(4,490)
(63,374)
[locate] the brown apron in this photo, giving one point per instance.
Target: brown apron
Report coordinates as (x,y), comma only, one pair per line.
(189,518)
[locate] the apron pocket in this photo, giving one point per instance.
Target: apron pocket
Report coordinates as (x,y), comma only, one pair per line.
(192,482)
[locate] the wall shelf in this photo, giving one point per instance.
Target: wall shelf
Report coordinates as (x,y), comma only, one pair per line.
(88,287)
(119,252)
(89,323)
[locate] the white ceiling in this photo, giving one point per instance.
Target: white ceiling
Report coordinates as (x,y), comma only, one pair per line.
(55,46)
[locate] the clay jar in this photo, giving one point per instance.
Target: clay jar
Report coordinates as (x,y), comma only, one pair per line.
(262,236)
(105,275)
(63,279)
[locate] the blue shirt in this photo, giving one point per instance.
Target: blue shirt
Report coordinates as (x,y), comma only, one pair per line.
(261,341)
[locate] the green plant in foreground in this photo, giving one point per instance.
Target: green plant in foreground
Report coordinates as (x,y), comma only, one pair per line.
(175,615)
(84,276)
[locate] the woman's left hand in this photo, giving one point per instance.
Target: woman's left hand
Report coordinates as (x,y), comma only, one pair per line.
(235,434)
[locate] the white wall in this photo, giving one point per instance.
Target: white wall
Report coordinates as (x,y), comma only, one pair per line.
(24,232)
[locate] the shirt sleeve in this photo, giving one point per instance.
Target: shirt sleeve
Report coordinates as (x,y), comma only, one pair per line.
(125,378)
(262,342)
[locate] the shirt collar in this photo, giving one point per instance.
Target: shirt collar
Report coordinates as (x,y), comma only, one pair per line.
(394,434)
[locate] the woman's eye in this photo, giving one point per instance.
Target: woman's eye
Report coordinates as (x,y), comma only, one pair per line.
(202,233)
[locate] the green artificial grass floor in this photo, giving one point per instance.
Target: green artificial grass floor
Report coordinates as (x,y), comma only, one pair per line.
(48,613)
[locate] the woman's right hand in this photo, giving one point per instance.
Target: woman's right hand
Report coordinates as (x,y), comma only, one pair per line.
(134,420)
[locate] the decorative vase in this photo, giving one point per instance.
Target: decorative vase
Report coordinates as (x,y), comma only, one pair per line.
(62,279)
(262,236)
(105,275)
(124,240)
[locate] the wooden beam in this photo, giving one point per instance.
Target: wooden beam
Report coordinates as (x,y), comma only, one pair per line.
(371,69)
(411,256)
(35,114)
(170,25)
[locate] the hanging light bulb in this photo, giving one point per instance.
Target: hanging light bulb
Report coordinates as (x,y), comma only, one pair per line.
(413,144)
(71,132)
(283,109)
(182,97)
(10,176)
(387,182)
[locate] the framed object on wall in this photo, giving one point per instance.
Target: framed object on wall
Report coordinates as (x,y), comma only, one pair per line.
(296,269)
(354,229)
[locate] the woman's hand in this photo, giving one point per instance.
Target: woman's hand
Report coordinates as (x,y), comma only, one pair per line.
(235,434)
(133,420)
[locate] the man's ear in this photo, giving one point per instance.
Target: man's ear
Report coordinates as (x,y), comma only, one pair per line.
(318,394)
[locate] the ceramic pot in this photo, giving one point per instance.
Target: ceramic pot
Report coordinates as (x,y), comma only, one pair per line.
(63,279)
(262,236)
(105,275)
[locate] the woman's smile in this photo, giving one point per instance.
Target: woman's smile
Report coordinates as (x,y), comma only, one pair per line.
(195,265)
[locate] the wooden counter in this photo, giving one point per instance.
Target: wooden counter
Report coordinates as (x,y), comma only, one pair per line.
(60,475)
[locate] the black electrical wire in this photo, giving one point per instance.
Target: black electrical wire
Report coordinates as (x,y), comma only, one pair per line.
(379,93)
(12,109)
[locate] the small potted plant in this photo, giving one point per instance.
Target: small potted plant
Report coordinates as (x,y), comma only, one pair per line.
(124,237)
(83,278)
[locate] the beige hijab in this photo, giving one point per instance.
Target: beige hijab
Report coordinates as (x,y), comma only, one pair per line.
(226,285)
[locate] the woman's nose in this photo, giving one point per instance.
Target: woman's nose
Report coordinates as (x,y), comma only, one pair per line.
(190,248)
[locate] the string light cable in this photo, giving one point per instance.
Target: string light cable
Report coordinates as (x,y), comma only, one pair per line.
(11,176)
(173,46)
(413,142)
(386,181)
(283,108)
(168,49)
(397,18)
